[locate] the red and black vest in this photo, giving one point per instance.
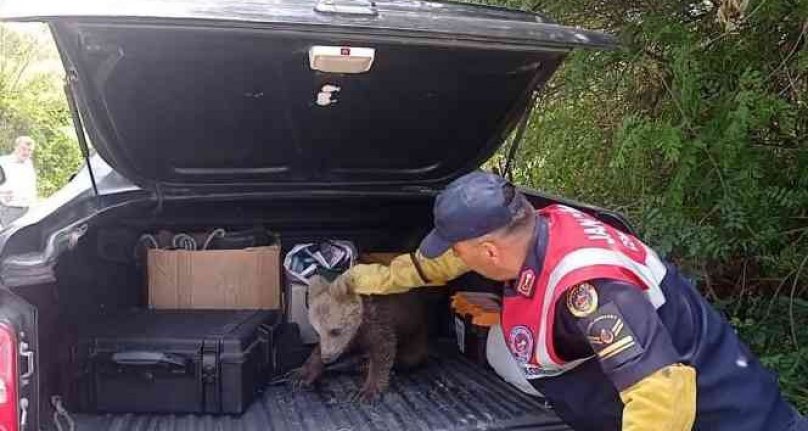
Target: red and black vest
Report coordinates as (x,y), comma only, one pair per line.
(579,248)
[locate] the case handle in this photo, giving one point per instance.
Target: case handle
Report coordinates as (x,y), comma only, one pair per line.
(143,358)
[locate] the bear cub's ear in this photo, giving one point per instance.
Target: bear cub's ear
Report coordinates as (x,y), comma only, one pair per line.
(341,288)
(338,290)
(318,286)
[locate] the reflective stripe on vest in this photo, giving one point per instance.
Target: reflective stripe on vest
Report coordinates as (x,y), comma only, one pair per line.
(651,274)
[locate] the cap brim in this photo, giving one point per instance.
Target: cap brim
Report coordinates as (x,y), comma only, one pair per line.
(433,245)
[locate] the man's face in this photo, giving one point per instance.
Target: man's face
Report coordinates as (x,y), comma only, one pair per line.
(486,258)
(24,151)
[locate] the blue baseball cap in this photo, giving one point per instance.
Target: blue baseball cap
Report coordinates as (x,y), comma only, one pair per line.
(471,206)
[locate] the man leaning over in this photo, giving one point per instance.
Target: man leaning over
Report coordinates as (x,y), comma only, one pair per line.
(613,336)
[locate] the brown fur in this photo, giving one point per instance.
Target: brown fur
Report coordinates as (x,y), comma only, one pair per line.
(388,329)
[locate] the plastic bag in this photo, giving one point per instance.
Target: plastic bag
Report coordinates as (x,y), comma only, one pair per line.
(305,260)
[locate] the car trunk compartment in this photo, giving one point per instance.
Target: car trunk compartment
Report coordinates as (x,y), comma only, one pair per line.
(101,276)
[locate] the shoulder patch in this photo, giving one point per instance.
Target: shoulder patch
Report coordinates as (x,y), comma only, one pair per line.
(582,300)
(610,338)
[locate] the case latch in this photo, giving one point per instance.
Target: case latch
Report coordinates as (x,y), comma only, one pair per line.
(209,374)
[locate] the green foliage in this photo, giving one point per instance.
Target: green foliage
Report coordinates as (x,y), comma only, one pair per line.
(695,128)
(32,103)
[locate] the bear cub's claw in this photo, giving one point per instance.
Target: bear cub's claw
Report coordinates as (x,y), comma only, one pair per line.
(302,378)
(367,395)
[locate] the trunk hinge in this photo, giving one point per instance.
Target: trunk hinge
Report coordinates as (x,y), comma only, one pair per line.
(70,81)
(517,139)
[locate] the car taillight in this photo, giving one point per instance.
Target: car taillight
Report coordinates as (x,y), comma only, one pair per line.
(9,410)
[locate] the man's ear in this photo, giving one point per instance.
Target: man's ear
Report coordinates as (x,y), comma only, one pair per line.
(490,250)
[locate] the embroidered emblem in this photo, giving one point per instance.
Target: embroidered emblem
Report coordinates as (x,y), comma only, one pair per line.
(604,329)
(526,281)
(582,300)
(609,336)
(520,342)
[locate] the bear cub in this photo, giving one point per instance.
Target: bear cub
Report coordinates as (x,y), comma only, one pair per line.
(387,330)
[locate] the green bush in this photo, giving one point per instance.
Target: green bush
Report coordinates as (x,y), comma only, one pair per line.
(32,103)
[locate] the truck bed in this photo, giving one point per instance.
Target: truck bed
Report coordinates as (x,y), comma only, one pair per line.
(449,393)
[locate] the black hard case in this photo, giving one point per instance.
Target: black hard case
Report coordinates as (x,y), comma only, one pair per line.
(184,361)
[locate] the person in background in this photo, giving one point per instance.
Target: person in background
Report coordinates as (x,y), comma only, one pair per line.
(18,192)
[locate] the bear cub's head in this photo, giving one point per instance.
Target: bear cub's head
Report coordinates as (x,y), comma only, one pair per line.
(336,314)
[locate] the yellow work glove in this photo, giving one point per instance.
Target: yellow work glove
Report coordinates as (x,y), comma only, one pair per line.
(405,272)
(663,401)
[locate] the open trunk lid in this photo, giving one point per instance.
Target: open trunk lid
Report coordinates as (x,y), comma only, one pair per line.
(212,95)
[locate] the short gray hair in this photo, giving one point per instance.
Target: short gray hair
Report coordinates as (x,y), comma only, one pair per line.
(23,140)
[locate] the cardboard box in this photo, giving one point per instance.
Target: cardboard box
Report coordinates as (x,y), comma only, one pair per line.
(215,279)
